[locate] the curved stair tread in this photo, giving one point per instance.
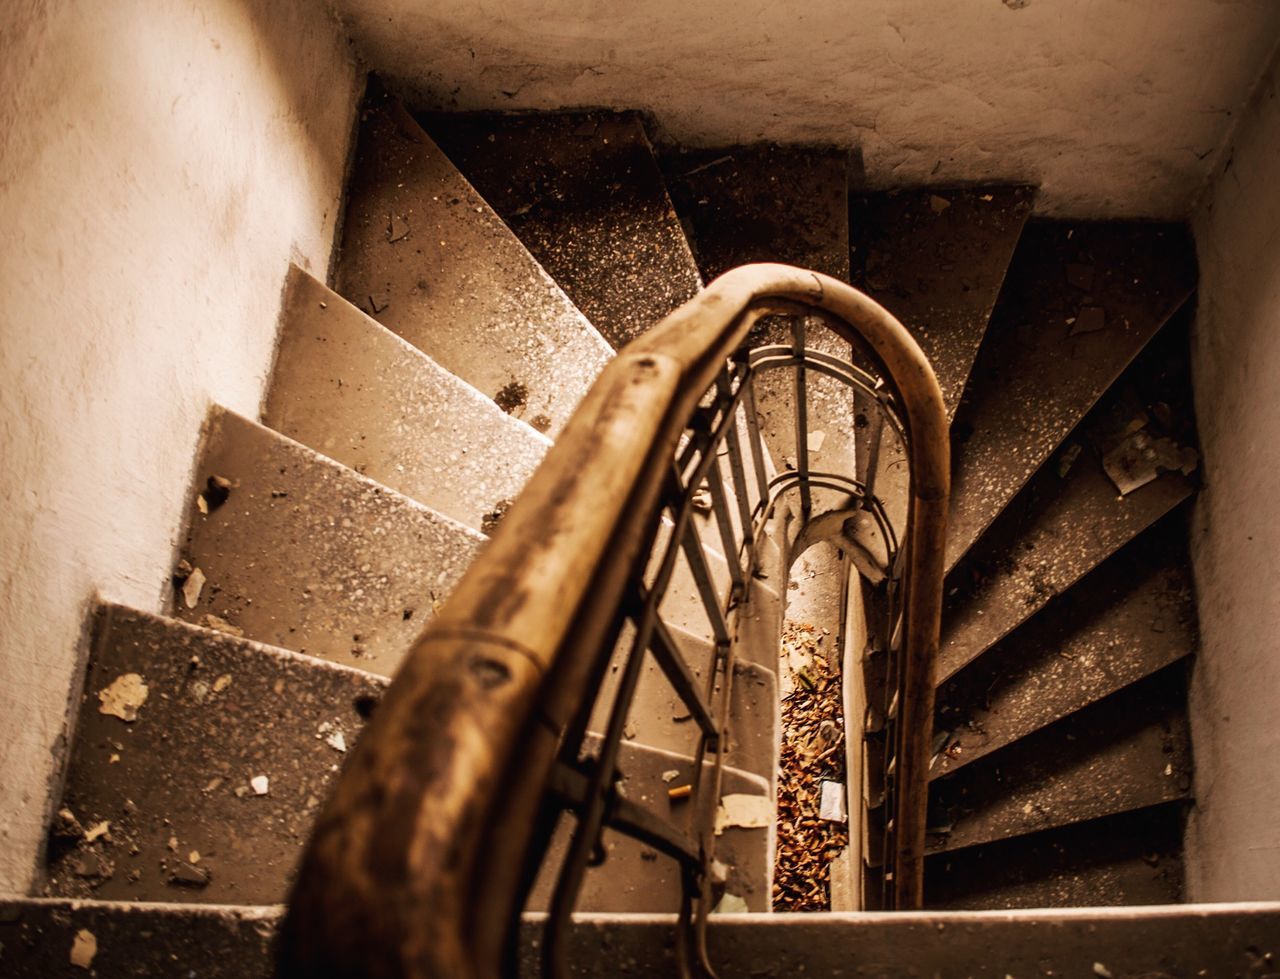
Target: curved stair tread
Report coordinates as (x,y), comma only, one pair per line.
(1134,858)
(636,879)
(307,554)
(659,718)
(1197,940)
(937,259)
(769,203)
(1129,751)
(353,390)
(1054,534)
(176,784)
(131,939)
(426,256)
(1080,301)
(583,191)
(1126,620)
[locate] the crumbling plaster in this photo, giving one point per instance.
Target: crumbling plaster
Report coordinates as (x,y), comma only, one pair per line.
(161,162)
(1115,107)
(1234,840)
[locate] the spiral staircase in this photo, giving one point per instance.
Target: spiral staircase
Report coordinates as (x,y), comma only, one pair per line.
(490,266)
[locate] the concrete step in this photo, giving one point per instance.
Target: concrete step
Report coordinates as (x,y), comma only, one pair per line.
(353,390)
(1134,858)
(309,555)
(427,257)
(209,792)
(1194,940)
(583,192)
(1128,619)
(766,203)
(634,878)
(660,719)
(235,942)
(1067,520)
(44,938)
(1079,302)
(1129,751)
(936,259)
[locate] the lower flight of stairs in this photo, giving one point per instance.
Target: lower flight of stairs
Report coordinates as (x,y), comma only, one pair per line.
(489,266)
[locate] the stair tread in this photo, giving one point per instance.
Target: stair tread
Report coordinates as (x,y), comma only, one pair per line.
(583,192)
(1132,616)
(1056,531)
(349,388)
(236,942)
(633,877)
(426,256)
(1133,858)
(790,204)
(1129,751)
(309,555)
(660,719)
(1079,302)
(936,259)
(219,711)
(163,941)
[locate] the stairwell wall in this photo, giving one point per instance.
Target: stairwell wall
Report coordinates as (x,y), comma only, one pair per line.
(1233,845)
(161,163)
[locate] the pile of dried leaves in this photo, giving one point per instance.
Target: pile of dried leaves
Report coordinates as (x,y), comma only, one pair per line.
(812,750)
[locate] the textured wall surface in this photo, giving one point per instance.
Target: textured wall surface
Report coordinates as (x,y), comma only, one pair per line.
(160,164)
(1234,842)
(1114,106)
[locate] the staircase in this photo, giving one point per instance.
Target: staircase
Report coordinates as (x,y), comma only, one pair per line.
(490,267)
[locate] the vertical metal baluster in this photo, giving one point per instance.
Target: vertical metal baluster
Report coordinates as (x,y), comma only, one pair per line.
(802,417)
(754,440)
(733,442)
(720,507)
(875,437)
(706,586)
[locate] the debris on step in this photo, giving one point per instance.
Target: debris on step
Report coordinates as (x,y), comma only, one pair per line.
(743,811)
(397,228)
(216,491)
(730,904)
(260,784)
(188,875)
(811,777)
(123,698)
(938,204)
(217,622)
(97,831)
(512,397)
(192,585)
(489,522)
(1141,457)
(83,949)
(1088,319)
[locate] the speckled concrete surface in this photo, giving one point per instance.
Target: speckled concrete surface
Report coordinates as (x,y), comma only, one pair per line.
(936,259)
(635,878)
(427,257)
(1079,302)
(307,554)
(136,941)
(178,787)
(1132,616)
(582,191)
(1124,753)
(1134,858)
(356,392)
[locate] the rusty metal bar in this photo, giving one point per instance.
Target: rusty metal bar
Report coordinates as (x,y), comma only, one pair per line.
(755,441)
(802,417)
(676,669)
(416,863)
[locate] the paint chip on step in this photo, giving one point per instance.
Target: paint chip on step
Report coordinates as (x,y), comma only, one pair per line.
(744,812)
(260,784)
(83,948)
(123,697)
(192,587)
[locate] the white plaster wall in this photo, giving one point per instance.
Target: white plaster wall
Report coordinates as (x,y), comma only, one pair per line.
(1234,838)
(160,164)
(1114,106)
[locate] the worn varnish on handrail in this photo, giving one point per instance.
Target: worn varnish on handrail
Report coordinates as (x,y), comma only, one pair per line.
(421,858)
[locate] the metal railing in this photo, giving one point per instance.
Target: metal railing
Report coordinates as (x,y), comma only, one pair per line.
(422,859)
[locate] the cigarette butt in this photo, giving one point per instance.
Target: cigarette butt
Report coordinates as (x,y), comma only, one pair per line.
(680,792)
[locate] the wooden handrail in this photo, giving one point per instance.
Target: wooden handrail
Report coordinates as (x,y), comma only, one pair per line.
(415,865)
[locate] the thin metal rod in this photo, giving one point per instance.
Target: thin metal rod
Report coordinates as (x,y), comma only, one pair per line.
(754,440)
(802,418)
(676,669)
(720,509)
